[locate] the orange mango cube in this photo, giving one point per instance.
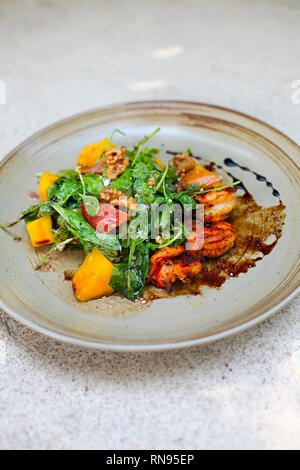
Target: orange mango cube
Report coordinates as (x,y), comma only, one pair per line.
(90,153)
(91,279)
(40,231)
(47,179)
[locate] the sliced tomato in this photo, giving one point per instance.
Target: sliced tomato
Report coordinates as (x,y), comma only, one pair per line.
(107,218)
(97,169)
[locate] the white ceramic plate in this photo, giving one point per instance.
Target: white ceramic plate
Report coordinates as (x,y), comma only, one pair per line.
(44,301)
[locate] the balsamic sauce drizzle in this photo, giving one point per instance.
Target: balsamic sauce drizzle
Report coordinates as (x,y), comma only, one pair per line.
(230,163)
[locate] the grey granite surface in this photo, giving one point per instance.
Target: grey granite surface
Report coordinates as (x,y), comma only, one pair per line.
(63,57)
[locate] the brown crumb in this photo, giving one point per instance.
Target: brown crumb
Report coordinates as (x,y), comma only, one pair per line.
(68,275)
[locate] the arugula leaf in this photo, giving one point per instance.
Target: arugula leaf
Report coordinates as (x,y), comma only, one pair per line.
(171,174)
(93,184)
(27,215)
(62,189)
(140,170)
(159,200)
(141,143)
(219,188)
(35,212)
(30,210)
(124,182)
(129,277)
(67,190)
(193,189)
(177,239)
(184,199)
(143,192)
(91,205)
(67,173)
(108,244)
(45,209)
(162,179)
(63,238)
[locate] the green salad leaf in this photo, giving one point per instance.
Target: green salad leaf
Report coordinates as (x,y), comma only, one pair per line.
(93,184)
(91,205)
(123,182)
(108,244)
(129,276)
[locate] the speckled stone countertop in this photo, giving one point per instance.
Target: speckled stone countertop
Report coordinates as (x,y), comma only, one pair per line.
(60,58)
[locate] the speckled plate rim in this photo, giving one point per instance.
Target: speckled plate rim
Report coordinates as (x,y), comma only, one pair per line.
(156,104)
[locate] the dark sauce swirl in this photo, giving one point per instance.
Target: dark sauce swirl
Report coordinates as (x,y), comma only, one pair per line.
(229,162)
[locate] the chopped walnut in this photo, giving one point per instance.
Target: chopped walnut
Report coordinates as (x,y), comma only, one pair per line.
(183,163)
(117,198)
(117,162)
(152,181)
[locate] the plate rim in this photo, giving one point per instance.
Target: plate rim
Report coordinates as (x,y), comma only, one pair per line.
(150,347)
(128,348)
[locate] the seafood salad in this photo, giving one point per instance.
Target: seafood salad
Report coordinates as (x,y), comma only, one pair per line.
(137,220)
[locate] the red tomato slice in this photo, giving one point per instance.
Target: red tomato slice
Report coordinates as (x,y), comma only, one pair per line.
(97,169)
(107,218)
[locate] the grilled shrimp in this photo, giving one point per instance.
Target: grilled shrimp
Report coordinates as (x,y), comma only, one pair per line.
(217,204)
(215,240)
(218,239)
(172,263)
(167,252)
(169,264)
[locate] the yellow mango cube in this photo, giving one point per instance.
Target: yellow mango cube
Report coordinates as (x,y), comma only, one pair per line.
(91,279)
(90,153)
(47,179)
(40,231)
